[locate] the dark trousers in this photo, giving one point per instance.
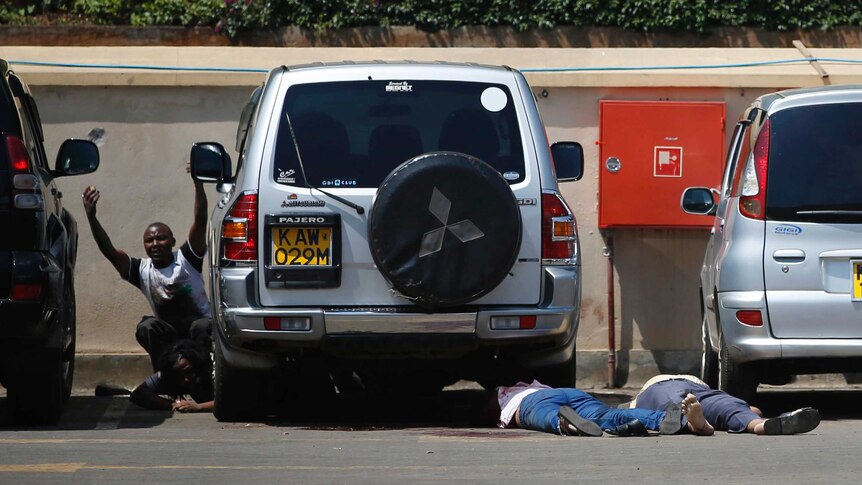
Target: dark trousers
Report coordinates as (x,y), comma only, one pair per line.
(157,336)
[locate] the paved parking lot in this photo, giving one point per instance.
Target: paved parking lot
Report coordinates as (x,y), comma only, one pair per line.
(105,439)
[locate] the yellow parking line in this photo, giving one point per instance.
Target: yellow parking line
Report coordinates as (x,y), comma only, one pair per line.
(43,468)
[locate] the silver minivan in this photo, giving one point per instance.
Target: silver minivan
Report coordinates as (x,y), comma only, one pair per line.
(395,222)
(782,275)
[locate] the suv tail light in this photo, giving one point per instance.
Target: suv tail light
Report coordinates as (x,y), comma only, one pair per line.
(25,184)
(19,159)
(752,200)
(26,291)
(239,230)
(559,231)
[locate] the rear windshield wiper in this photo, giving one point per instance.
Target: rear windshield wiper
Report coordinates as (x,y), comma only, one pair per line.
(358,208)
(829,212)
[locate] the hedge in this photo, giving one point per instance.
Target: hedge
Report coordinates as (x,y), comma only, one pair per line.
(232,17)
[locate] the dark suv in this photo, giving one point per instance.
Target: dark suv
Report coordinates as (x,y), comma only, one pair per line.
(37,259)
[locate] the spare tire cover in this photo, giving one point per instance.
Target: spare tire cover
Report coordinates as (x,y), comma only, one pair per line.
(445,229)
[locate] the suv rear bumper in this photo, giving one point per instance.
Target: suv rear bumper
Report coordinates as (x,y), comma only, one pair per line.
(31,321)
(400,332)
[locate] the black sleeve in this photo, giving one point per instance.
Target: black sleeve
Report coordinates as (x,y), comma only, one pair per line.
(134,276)
(196,261)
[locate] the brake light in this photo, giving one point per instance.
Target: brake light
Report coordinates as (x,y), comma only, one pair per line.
(239,230)
(752,200)
(26,291)
(750,317)
(559,231)
(19,159)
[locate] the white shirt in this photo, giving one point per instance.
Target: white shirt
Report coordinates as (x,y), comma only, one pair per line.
(510,398)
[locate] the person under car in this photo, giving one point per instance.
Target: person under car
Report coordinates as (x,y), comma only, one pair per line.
(722,411)
(183,382)
(573,412)
(170,280)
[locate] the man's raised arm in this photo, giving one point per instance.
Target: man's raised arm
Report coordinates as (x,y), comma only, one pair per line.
(118,258)
(198,231)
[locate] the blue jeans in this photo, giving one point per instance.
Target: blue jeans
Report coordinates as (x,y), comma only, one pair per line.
(540,411)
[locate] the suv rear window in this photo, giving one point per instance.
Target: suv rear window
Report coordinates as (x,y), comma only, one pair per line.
(354,133)
(815,164)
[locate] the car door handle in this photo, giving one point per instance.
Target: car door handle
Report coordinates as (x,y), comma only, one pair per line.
(789,255)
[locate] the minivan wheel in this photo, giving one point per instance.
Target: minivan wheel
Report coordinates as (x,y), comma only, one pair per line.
(735,378)
(445,229)
(237,393)
(708,358)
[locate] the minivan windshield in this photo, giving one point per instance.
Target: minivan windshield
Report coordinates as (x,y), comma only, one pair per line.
(815,164)
(354,133)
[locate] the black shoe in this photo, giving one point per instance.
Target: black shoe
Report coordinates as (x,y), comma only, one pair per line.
(799,421)
(672,421)
(632,428)
(572,424)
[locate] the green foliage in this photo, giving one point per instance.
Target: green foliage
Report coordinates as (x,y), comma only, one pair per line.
(232,17)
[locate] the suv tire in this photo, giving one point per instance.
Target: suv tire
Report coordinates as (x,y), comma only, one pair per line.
(67,358)
(236,392)
(735,378)
(36,394)
(560,375)
(445,229)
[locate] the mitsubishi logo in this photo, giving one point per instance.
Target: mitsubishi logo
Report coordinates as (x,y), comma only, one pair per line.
(464,230)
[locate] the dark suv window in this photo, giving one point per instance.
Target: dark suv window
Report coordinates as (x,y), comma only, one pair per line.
(352,134)
(815,164)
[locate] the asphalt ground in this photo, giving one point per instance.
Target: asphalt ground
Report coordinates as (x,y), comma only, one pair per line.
(396,440)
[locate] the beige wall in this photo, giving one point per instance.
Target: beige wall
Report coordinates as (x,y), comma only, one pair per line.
(152,118)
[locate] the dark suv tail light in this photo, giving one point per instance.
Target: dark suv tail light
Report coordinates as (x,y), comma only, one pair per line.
(239,230)
(19,159)
(752,200)
(559,231)
(24,182)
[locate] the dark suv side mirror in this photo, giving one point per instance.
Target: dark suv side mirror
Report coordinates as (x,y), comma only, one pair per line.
(210,163)
(76,157)
(698,201)
(568,160)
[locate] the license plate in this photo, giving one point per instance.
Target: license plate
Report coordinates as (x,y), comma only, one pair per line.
(857,280)
(301,246)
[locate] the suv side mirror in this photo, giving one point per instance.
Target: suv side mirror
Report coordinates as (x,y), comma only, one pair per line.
(76,157)
(698,201)
(568,160)
(210,163)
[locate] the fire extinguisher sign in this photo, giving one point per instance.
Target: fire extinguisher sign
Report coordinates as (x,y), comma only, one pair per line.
(667,162)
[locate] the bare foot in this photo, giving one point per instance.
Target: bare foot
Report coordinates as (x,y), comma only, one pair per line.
(697,423)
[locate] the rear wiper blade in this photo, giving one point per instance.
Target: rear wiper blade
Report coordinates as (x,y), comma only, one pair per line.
(829,212)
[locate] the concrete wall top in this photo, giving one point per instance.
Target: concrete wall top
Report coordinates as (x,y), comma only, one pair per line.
(741,67)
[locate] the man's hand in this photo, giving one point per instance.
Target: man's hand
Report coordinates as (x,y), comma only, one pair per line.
(187,406)
(184,406)
(90,197)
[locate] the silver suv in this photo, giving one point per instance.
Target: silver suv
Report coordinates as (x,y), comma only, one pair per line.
(782,275)
(398,222)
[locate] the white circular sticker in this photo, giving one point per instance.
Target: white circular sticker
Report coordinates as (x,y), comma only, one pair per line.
(494,99)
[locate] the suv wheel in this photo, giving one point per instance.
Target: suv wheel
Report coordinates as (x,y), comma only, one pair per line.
(445,229)
(67,362)
(236,392)
(35,393)
(560,375)
(735,378)
(708,358)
